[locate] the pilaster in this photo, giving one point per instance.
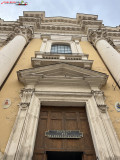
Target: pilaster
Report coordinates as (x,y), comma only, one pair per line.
(15,139)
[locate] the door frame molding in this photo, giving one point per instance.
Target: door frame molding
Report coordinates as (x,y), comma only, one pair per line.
(22,139)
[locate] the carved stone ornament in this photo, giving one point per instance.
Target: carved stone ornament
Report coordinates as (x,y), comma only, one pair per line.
(102,108)
(93,36)
(99,98)
(27,32)
(10,36)
(110,41)
(24,106)
(25,96)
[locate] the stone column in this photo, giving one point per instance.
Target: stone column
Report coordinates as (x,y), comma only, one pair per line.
(10,52)
(109,55)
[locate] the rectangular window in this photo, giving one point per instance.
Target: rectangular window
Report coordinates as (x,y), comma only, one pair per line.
(61,49)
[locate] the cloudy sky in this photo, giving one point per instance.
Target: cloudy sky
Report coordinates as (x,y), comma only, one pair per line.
(107,10)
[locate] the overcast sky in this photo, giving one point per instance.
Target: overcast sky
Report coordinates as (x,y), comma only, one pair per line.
(107,10)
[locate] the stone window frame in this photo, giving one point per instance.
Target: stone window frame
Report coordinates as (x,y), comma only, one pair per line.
(48,41)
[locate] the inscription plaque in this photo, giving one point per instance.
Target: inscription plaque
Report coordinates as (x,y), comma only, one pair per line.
(63,134)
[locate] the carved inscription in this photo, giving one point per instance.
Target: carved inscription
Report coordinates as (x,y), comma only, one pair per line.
(63,134)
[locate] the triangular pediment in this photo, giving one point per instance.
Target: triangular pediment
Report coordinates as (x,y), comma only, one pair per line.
(60,71)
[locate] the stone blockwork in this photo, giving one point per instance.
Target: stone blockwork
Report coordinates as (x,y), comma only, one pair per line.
(111,90)
(11,90)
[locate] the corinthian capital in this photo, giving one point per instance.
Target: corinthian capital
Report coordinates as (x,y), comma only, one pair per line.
(27,32)
(94,36)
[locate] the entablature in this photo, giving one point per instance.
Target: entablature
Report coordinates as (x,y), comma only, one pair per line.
(64,25)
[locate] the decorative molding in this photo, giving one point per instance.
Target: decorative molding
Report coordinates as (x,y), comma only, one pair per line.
(26,32)
(103,108)
(41,59)
(25,96)
(95,35)
(41,74)
(99,97)
(24,106)
(81,24)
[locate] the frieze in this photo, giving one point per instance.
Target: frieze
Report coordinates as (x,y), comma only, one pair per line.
(58,24)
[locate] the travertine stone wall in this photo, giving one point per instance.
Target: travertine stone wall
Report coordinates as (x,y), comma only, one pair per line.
(111,90)
(11,90)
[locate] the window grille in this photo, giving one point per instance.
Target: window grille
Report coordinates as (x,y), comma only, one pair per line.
(61,49)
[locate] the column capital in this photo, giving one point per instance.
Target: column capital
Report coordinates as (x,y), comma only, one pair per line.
(26,32)
(95,35)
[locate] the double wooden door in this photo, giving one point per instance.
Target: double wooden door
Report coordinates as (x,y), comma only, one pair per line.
(63,118)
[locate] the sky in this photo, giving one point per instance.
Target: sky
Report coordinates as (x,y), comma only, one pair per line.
(107,10)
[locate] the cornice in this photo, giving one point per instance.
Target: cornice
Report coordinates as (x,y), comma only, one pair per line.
(70,74)
(79,25)
(81,16)
(37,14)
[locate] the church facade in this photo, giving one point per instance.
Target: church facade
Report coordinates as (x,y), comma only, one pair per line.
(60,88)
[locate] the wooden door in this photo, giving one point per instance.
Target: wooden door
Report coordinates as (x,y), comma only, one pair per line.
(63,118)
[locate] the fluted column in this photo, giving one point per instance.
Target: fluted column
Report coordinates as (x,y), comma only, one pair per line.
(109,55)
(10,52)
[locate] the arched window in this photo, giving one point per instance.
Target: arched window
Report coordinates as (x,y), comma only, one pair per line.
(61,49)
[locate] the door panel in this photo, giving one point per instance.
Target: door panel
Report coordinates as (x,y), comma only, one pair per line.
(63,118)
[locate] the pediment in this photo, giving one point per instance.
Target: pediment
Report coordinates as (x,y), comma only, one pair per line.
(60,71)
